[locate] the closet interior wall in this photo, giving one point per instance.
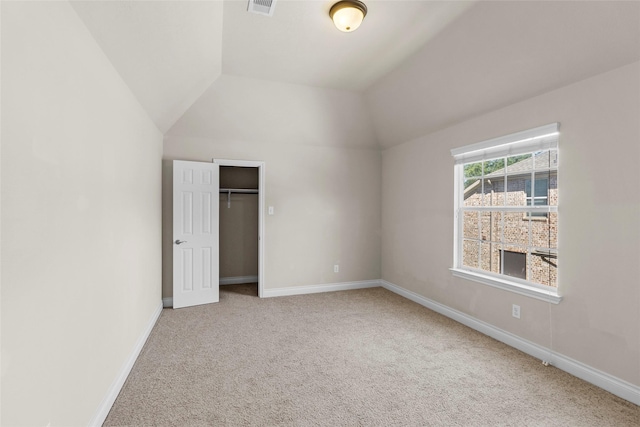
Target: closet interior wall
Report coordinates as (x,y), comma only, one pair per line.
(238,225)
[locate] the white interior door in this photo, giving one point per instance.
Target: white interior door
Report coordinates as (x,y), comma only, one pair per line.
(195,233)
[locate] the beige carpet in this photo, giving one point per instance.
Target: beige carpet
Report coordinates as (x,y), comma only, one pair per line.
(355,358)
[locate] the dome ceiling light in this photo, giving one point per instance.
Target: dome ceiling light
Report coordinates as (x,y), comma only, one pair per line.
(347,15)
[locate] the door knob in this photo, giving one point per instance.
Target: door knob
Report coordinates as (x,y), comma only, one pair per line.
(178,241)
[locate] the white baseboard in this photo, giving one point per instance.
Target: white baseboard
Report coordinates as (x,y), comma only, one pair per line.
(314,289)
(167,302)
(598,378)
(238,280)
(104,408)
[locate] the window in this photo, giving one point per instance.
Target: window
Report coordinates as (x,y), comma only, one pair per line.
(538,195)
(514,264)
(506,207)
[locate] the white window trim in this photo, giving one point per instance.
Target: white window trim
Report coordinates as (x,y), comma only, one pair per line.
(527,141)
(548,295)
(544,137)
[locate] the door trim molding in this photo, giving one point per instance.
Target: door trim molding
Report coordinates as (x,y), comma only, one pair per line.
(261,211)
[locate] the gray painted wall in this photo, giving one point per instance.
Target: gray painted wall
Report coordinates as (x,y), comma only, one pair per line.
(598,321)
(80,218)
(323,175)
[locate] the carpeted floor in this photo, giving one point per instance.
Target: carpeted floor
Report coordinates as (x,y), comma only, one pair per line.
(355,358)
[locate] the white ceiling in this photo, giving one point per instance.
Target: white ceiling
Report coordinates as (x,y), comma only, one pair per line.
(421,64)
(499,53)
(168,52)
(300,44)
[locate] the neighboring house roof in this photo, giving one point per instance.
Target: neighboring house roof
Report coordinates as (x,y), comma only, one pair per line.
(543,160)
(471,188)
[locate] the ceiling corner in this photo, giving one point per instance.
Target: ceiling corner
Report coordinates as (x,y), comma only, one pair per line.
(168,53)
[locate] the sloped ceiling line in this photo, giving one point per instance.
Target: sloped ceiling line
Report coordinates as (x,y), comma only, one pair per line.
(419,65)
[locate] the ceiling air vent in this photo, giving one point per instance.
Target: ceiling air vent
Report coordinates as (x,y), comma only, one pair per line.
(262,7)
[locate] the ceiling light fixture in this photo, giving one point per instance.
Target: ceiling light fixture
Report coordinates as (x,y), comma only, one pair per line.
(347,15)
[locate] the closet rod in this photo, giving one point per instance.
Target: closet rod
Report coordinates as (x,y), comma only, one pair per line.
(236,190)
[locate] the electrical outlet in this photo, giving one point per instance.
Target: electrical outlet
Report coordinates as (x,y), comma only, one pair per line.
(515,311)
(336,268)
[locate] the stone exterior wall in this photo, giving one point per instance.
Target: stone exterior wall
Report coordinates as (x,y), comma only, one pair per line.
(517,231)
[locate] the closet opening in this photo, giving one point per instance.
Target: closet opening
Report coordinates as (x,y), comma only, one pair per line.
(240,226)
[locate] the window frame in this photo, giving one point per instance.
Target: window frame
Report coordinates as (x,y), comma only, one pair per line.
(530,141)
(532,198)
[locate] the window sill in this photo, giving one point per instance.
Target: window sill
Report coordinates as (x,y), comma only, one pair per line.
(526,217)
(507,285)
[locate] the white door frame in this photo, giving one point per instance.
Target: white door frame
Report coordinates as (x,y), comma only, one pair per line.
(261,210)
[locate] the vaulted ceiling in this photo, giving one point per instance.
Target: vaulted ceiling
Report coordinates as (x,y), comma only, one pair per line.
(168,52)
(420,65)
